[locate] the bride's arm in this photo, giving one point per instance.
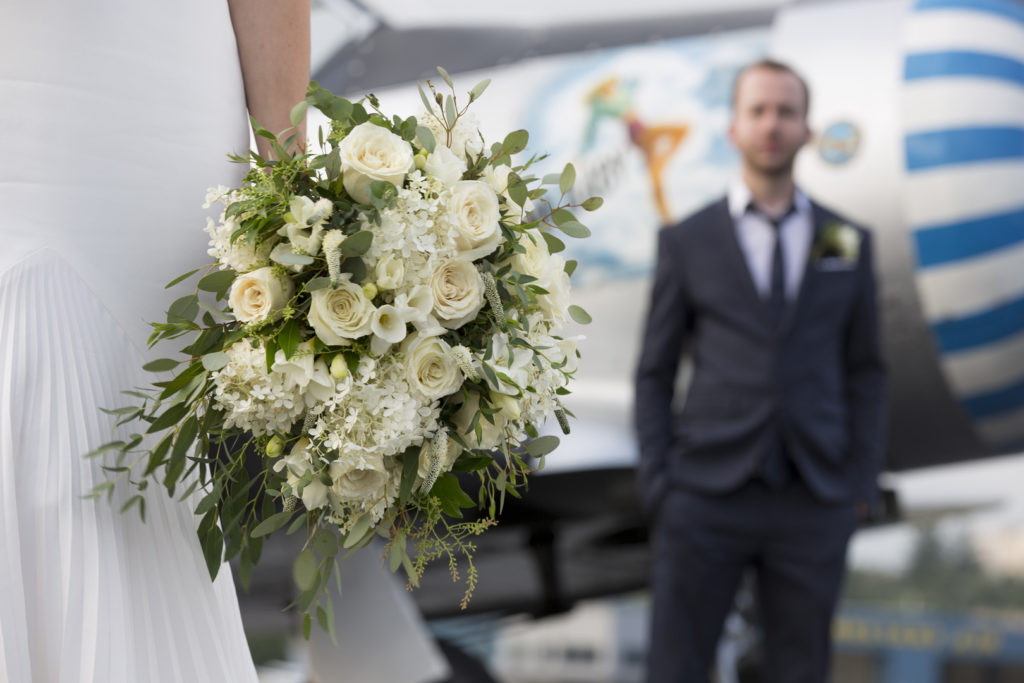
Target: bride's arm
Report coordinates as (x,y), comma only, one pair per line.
(273,48)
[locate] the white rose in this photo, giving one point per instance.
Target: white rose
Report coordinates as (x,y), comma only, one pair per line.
(535,261)
(338,315)
(430,368)
(370,152)
(359,480)
(445,165)
(458,292)
(259,294)
(390,272)
(473,209)
(508,405)
(467,142)
(556,302)
(490,434)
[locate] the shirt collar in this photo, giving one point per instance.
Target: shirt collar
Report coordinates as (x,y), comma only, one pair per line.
(739,197)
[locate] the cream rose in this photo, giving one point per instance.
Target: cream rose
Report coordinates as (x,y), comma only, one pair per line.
(370,152)
(338,315)
(473,209)
(458,292)
(497,178)
(430,368)
(259,294)
(390,272)
(444,165)
(490,434)
(359,479)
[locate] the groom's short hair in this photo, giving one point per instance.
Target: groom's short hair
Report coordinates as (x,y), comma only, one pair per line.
(772,65)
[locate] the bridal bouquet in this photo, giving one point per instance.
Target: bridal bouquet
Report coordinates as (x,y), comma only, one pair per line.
(373,350)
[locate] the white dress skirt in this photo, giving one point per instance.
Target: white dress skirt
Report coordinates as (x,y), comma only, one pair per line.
(115,116)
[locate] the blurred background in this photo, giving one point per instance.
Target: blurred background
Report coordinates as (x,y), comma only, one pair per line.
(917,108)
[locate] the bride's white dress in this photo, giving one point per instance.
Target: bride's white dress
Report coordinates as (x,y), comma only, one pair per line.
(115,116)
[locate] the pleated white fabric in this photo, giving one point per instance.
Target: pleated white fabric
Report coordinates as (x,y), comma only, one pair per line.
(90,594)
(115,116)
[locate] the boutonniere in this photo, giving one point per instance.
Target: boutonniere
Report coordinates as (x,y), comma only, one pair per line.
(837,240)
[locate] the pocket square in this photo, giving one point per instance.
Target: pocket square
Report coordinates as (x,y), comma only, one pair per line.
(834,263)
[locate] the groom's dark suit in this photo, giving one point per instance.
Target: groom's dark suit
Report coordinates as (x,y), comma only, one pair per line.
(805,388)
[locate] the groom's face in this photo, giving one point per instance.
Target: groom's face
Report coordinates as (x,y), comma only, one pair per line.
(769,122)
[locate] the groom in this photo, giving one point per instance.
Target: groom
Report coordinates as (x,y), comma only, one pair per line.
(775,453)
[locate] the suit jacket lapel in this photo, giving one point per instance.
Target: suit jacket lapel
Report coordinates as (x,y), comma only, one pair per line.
(808,283)
(738,261)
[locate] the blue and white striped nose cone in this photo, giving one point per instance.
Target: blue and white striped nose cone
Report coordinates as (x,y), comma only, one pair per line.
(963,115)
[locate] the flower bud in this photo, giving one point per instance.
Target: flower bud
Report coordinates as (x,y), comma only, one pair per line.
(419,161)
(369,290)
(339,368)
(275,446)
(508,405)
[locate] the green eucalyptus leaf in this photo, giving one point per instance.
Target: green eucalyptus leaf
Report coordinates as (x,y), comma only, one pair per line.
(271,524)
(218,282)
(298,113)
(567,179)
(160,365)
(181,278)
(478,89)
(426,138)
(410,470)
(515,142)
(427,104)
(542,445)
(580,315)
(305,570)
(334,107)
(570,267)
(593,204)
(357,531)
(288,258)
(317,283)
(555,245)
(575,229)
(213,547)
(357,244)
(325,542)
(446,77)
(169,418)
(215,361)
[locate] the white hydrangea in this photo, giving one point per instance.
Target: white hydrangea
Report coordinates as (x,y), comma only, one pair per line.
(253,399)
(376,414)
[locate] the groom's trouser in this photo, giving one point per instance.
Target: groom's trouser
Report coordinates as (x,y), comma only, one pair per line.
(703,543)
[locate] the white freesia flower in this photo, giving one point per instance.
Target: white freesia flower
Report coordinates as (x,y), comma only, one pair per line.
(299,459)
(388,327)
(512,361)
(297,370)
(258,295)
(474,212)
(314,494)
(322,384)
(390,272)
(370,152)
(430,368)
(339,315)
(445,165)
(457,290)
(304,223)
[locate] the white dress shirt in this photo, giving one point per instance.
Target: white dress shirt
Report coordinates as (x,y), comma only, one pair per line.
(756,236)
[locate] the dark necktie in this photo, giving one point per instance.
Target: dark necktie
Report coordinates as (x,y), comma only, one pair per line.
(776,470)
